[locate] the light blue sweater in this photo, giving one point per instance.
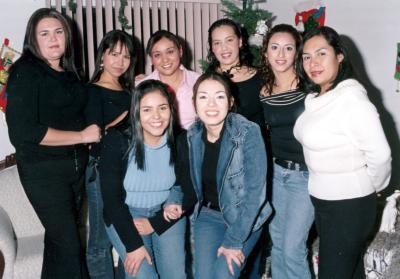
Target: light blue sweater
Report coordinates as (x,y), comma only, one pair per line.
(149,187)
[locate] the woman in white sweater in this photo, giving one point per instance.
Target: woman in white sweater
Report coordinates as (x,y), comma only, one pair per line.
(346,152)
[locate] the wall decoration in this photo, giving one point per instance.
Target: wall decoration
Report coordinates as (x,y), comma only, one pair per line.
(309,14)
(7,57)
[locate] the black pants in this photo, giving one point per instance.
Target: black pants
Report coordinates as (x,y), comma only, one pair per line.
(343,227)
(55,188)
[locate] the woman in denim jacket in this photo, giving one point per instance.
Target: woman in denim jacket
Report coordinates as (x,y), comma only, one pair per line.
(226,181)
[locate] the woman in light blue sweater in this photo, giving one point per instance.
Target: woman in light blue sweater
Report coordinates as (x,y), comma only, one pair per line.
(149,177)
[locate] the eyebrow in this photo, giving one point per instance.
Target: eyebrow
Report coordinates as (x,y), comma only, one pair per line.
(161,105)
(282,45)
(318,50)
(158,51)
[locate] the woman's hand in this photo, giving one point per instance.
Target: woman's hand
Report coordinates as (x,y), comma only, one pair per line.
(172,212)
(235,255)
(134,259)
(143,226)
(90,134)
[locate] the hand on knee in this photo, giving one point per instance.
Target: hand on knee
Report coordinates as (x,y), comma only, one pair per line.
(232,256)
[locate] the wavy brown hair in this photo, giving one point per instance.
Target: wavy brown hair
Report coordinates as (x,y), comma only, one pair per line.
(268,77)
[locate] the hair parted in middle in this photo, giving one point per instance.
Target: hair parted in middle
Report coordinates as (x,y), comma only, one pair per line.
(268,77)
(245,56)
(137,140)
(31,46)
(161,34)
(333,39)
(109,42)
(222,79)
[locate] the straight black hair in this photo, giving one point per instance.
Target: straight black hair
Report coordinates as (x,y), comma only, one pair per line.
(334,40)
(137,140)
(109,42)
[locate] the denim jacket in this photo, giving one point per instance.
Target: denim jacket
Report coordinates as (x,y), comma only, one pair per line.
(241,177)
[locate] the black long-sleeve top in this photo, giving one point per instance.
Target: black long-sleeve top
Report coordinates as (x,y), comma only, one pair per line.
(182,173)
(103,107)
(247,98)
(40,98)
(281,112)
(112,168)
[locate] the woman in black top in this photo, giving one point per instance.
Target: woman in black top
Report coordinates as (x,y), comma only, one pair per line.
(109,101)
(229,54)
(283,102)
(45,116)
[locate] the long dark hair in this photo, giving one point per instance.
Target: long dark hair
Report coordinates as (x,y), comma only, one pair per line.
(31,46)
(109,43)
(137,141)
(245,57)
(334,40)
(268,77)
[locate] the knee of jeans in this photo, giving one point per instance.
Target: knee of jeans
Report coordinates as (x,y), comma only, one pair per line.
(221,269)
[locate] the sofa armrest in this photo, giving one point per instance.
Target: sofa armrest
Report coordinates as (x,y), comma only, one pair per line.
(8,245)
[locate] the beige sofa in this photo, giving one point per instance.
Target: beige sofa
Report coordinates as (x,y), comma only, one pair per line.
(21,233)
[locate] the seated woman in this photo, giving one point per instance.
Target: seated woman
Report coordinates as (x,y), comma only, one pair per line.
(227,160)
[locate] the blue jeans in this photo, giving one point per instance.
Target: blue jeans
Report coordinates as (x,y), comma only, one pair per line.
(98,254)
(289,228)
(209,232)
(167,250)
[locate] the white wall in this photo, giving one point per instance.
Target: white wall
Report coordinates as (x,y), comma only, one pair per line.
(14,15)
(373,30)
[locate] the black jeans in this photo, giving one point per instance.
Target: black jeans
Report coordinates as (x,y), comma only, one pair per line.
(343,227)
(55,188)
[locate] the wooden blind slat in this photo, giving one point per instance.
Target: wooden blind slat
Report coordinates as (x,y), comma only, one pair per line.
(189,19)
(109,15)
(99,21)
(164,15)
(172,17)
(146,31)
(89,34)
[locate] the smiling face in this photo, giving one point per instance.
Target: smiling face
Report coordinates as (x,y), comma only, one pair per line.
(281,52)
(166,57)
(320,62)
(225,45)
(212,104)
(116,61)
(155,116)
(50,38)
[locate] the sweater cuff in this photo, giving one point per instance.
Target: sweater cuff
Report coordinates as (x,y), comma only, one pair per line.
(159,224)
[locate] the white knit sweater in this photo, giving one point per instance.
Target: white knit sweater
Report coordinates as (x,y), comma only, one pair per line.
(344,145)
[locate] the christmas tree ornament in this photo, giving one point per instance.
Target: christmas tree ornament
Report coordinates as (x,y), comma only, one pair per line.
(7,57)
(309,15)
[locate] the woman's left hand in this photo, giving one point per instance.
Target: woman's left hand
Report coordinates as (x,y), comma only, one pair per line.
(143,226)
(235,255)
